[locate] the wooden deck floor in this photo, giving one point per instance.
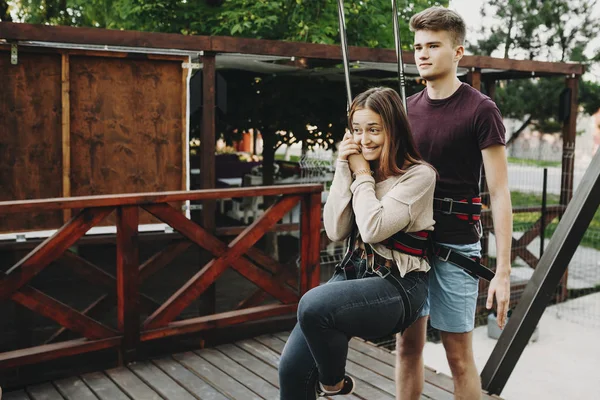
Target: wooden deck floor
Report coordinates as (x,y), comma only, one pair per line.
(244,370)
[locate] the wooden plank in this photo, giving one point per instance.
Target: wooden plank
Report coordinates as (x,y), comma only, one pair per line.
(185,139)
(218,320)
(126,126)
(364,388)
(245,376)
(207,275)
(124,199)
(66,316)
(133,386)
(44,391)
(74,389)
(208,137)
(21,32)
(103,387)
(128,312)
(305,243)
(30,103)
(569,134)
(314,254)
(184,377)
(16,395)
(217,378)
(266,371)
(160,382)
(49,250)
(260,351)
(99,304)
(38,354)
(66,132)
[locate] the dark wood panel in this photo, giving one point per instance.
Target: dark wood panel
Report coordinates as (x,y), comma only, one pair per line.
(16,395)
(126,126)
(30,137)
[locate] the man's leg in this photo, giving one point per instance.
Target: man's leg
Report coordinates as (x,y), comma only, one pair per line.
(410,370)
(459,352)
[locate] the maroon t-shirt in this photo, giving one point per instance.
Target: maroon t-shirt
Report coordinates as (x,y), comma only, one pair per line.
(450,134)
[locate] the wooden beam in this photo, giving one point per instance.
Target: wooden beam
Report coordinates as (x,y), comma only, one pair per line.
(48,251)
(115,200)
(66,131)
(207,141)
(128,310)
(66,316)
(218,44)
(569,134)
(39,354)
(207,275)
(100,303)
(219,320)
(474,78)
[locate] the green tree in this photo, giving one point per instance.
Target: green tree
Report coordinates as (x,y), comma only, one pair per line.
(549,30)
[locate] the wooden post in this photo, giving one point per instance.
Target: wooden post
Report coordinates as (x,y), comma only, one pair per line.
(314,278)
(207,161)
(569,134)
(474,78)
(490,86)
(66,131)
(128,314)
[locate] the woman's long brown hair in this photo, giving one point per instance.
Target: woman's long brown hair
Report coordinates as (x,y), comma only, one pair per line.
(400,145)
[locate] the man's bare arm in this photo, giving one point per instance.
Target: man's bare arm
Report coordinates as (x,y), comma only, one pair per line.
(496,172)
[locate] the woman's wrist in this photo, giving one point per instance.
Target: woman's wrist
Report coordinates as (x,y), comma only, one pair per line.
(362,171)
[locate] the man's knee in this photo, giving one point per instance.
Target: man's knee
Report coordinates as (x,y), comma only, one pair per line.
(459,351)
(411,343)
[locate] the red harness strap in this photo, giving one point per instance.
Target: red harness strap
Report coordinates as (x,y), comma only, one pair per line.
(464,209)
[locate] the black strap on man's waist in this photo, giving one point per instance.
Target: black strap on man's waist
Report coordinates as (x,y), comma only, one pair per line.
(471,265)
(468,209)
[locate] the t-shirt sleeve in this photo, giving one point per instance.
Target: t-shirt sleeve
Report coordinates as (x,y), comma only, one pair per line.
(489,127)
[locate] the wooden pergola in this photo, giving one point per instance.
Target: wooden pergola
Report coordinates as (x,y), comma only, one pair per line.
(479,71)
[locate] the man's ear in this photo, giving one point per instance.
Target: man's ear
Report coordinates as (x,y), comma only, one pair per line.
(459,52)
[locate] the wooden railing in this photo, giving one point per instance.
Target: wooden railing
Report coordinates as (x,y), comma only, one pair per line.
(266,273)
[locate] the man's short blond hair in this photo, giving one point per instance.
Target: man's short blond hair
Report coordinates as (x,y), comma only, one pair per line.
(440,19)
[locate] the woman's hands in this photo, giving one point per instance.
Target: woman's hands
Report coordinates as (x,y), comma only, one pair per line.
(349,150)
(347,147)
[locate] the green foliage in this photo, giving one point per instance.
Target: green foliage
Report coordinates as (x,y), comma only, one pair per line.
(540,30)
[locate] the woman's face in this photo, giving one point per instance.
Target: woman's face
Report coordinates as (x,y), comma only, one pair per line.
(368,133)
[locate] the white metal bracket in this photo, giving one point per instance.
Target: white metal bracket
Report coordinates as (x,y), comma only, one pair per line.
(14,54)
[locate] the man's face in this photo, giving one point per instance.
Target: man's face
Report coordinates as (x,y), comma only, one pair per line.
(435,54)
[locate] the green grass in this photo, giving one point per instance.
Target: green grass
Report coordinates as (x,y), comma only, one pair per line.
(523,221)
(281,157)
(536,163)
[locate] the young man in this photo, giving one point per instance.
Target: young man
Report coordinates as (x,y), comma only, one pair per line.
(457,130)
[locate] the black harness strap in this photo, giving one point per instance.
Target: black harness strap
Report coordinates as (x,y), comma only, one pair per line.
(468,209)
(472,266)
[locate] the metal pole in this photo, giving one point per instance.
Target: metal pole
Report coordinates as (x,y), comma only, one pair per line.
(398,45)
(543,220)
(344,42)
(546,277)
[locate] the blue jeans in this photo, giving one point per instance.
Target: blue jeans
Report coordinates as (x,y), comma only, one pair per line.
(330,315)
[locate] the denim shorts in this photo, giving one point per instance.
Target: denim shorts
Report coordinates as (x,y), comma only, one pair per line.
(452,293)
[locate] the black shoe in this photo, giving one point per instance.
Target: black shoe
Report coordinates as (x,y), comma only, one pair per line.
(348,388)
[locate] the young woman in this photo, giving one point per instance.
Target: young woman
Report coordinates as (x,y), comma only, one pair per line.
(381,187)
